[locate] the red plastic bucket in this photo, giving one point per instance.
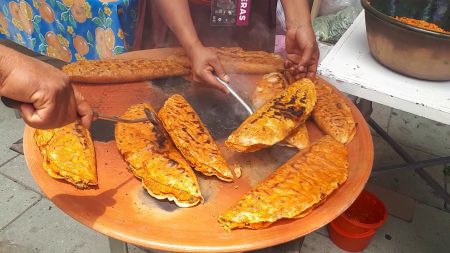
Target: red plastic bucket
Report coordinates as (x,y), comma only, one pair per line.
(366,213)
(349,241)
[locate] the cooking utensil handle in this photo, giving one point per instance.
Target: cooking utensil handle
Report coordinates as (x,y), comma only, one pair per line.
(14,104)
(117,119)
(233,92)
(11,103)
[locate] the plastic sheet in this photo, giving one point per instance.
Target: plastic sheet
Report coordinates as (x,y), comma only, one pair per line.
(330,28)
(328,7)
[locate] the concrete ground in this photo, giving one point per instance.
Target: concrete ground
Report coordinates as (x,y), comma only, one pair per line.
(418,220)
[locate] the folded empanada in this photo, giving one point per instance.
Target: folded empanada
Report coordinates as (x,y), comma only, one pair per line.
(192,138)
(266,89)
(294,189)
(153,158)
(68,153)
(332,114)
(276,119)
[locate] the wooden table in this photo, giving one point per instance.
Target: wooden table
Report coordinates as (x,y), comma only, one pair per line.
(350,67)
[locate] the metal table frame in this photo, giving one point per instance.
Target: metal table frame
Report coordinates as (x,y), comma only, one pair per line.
(365,107)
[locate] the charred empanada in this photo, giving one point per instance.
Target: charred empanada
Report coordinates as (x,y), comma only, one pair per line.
(192,138)
(276,119)
(266,89)
(153,158)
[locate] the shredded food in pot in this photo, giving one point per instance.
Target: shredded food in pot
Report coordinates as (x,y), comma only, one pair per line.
(421,24)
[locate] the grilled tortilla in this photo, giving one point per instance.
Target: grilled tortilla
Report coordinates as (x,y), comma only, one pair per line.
(234,60)
(121,71)
(333,115)
(276,119)
(299,138)
(192,138)
(68,153)
(294,189)
(266,89)
(155,160)
(237,60)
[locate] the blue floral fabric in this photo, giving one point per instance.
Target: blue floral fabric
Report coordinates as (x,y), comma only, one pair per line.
(70,30)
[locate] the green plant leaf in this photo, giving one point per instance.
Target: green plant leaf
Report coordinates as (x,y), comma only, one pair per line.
(36,27)
(89,37)
(119,50)
(72,21)
(41,38)
(64,16)
(37,19)
(5,10)
(33,42)
(59,26)
(97,21)
(61,6)
(108,22)
(42,47)
(101,14)
(52,3)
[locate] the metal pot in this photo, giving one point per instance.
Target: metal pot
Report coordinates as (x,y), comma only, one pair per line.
(409,50)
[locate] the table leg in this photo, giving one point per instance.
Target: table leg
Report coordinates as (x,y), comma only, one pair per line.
(408,158)
(116,246)
(414,165)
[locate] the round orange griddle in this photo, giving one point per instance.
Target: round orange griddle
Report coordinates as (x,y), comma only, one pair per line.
(120,208)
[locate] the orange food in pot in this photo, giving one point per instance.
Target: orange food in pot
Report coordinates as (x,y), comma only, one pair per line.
(421,24)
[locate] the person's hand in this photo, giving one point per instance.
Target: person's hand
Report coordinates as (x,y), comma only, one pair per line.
(205,65)
(49,99)
(302,52)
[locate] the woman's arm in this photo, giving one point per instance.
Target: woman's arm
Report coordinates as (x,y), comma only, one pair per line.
(205,62)
(301,44)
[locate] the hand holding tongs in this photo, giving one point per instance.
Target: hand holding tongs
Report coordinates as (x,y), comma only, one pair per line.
(233,92)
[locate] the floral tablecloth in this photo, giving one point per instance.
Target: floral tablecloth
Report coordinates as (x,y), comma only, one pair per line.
(70,30)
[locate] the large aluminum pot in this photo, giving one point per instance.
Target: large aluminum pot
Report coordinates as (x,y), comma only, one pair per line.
(404,48)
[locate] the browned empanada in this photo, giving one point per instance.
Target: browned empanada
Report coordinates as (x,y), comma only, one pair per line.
(68,153)
(332,114)
(276,119)
(294,189)
(153,158)
(192,138)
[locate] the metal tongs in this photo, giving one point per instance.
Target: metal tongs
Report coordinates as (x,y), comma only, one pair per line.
(151,116)
(118,119)
(14,104)
(235,95)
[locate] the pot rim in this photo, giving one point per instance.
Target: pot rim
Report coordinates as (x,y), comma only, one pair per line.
(366,5)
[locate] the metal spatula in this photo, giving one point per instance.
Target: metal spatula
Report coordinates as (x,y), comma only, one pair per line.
(234,93)
(14,104)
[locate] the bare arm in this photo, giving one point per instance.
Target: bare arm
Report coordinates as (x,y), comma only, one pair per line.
(177,16)
(301,45)
(296,13)
(205,62)
(49,99)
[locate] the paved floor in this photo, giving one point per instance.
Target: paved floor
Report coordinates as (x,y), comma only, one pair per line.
(29,222)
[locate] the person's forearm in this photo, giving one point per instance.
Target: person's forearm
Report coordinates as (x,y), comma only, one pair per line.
(296,13)
(6,55)
(177,16)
